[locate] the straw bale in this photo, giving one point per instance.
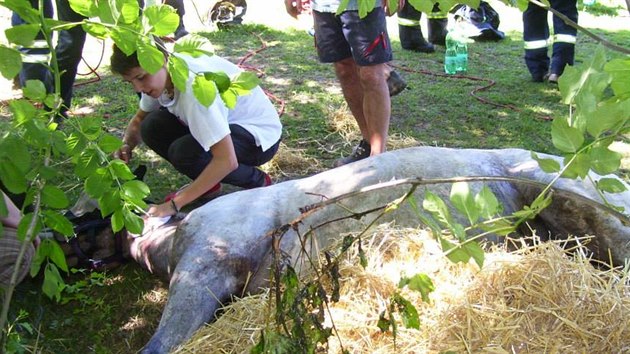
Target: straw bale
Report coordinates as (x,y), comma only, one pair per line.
(539,300)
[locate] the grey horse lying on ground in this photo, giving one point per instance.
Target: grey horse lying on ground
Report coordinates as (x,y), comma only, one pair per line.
(223,248)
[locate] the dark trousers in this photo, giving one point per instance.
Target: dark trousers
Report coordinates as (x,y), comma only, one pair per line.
(163,133)
(535,27)
(32,70)
(411,35)
(69,50)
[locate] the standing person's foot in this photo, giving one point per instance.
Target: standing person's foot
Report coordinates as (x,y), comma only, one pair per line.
(553,78)
(425,47)
(360,152)
(395,83)
(180,32)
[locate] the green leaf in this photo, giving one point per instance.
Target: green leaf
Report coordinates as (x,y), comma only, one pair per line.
(118,220)
(421,283)
(14,149)
(13,179)
(125,39)
(135,189)
(23,111)
(23,35)
(10,62)
(97,30)
(611,185)
(604,161)
(54,197)
(245,80)
(487,203)
(574,77)
(342,6)
(129,11)
(150,58)
(194,45)
(607,116)
(87,8)
(475,251)
(86,163)
(383,322)
(109,143)
(121,170)
(220,79)
(547,165)
(564,137)
(619,69)
(25,224)
(408,312)
(35,90)
(229,98)
(162,20)
(53,282)
(108,202)
(434,205)
(97,183)
(133,223)
(462,199)
(58,222)
(178,70)
(106,13)
(453,252)
(578,168)
(204,90)
(424,6)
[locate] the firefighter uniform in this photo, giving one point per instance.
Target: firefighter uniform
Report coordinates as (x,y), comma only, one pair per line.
(36,55)
(537,39)
(410,33)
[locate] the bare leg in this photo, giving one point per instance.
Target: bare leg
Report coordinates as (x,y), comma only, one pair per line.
(365,90)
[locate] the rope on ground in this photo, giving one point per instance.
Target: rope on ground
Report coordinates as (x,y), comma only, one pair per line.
(93,70)
(489,84)
(260,73)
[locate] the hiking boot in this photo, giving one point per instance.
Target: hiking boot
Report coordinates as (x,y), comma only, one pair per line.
(360,152)
(395,83)
(211,193)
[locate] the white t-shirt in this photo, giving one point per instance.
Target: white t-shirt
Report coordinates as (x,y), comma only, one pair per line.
(254,112)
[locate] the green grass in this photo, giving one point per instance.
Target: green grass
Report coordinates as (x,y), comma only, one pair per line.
(120,315)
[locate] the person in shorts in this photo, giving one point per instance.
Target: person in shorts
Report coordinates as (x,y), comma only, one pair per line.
(359,49)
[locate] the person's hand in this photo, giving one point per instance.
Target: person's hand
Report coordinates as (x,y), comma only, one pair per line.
(124,153)
(161,210)
(296,7)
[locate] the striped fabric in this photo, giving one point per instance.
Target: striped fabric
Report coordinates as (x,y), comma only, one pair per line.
(9,250)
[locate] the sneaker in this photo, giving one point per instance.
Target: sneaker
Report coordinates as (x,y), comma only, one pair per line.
(395,83)
(212,192)
(553,78)
(360,152)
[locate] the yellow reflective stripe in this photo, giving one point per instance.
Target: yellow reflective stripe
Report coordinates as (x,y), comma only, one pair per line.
(543,43)
(437,15)
(408,22)
(36,58)
(564,38)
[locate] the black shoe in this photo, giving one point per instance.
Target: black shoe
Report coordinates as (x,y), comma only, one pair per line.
(180,32)
(395,83)
(422,48)
(540,77)
(360,152)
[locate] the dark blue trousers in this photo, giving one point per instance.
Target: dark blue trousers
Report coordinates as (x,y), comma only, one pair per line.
(536,29)
(163,133)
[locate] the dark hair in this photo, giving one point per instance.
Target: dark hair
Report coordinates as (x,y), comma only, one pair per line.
(121,63)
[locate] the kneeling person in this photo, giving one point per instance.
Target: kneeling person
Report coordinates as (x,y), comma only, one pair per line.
(211,144)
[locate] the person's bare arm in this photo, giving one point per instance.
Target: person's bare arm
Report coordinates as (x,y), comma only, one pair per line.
(132,137)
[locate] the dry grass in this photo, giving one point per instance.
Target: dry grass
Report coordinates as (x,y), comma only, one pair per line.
(539,300)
